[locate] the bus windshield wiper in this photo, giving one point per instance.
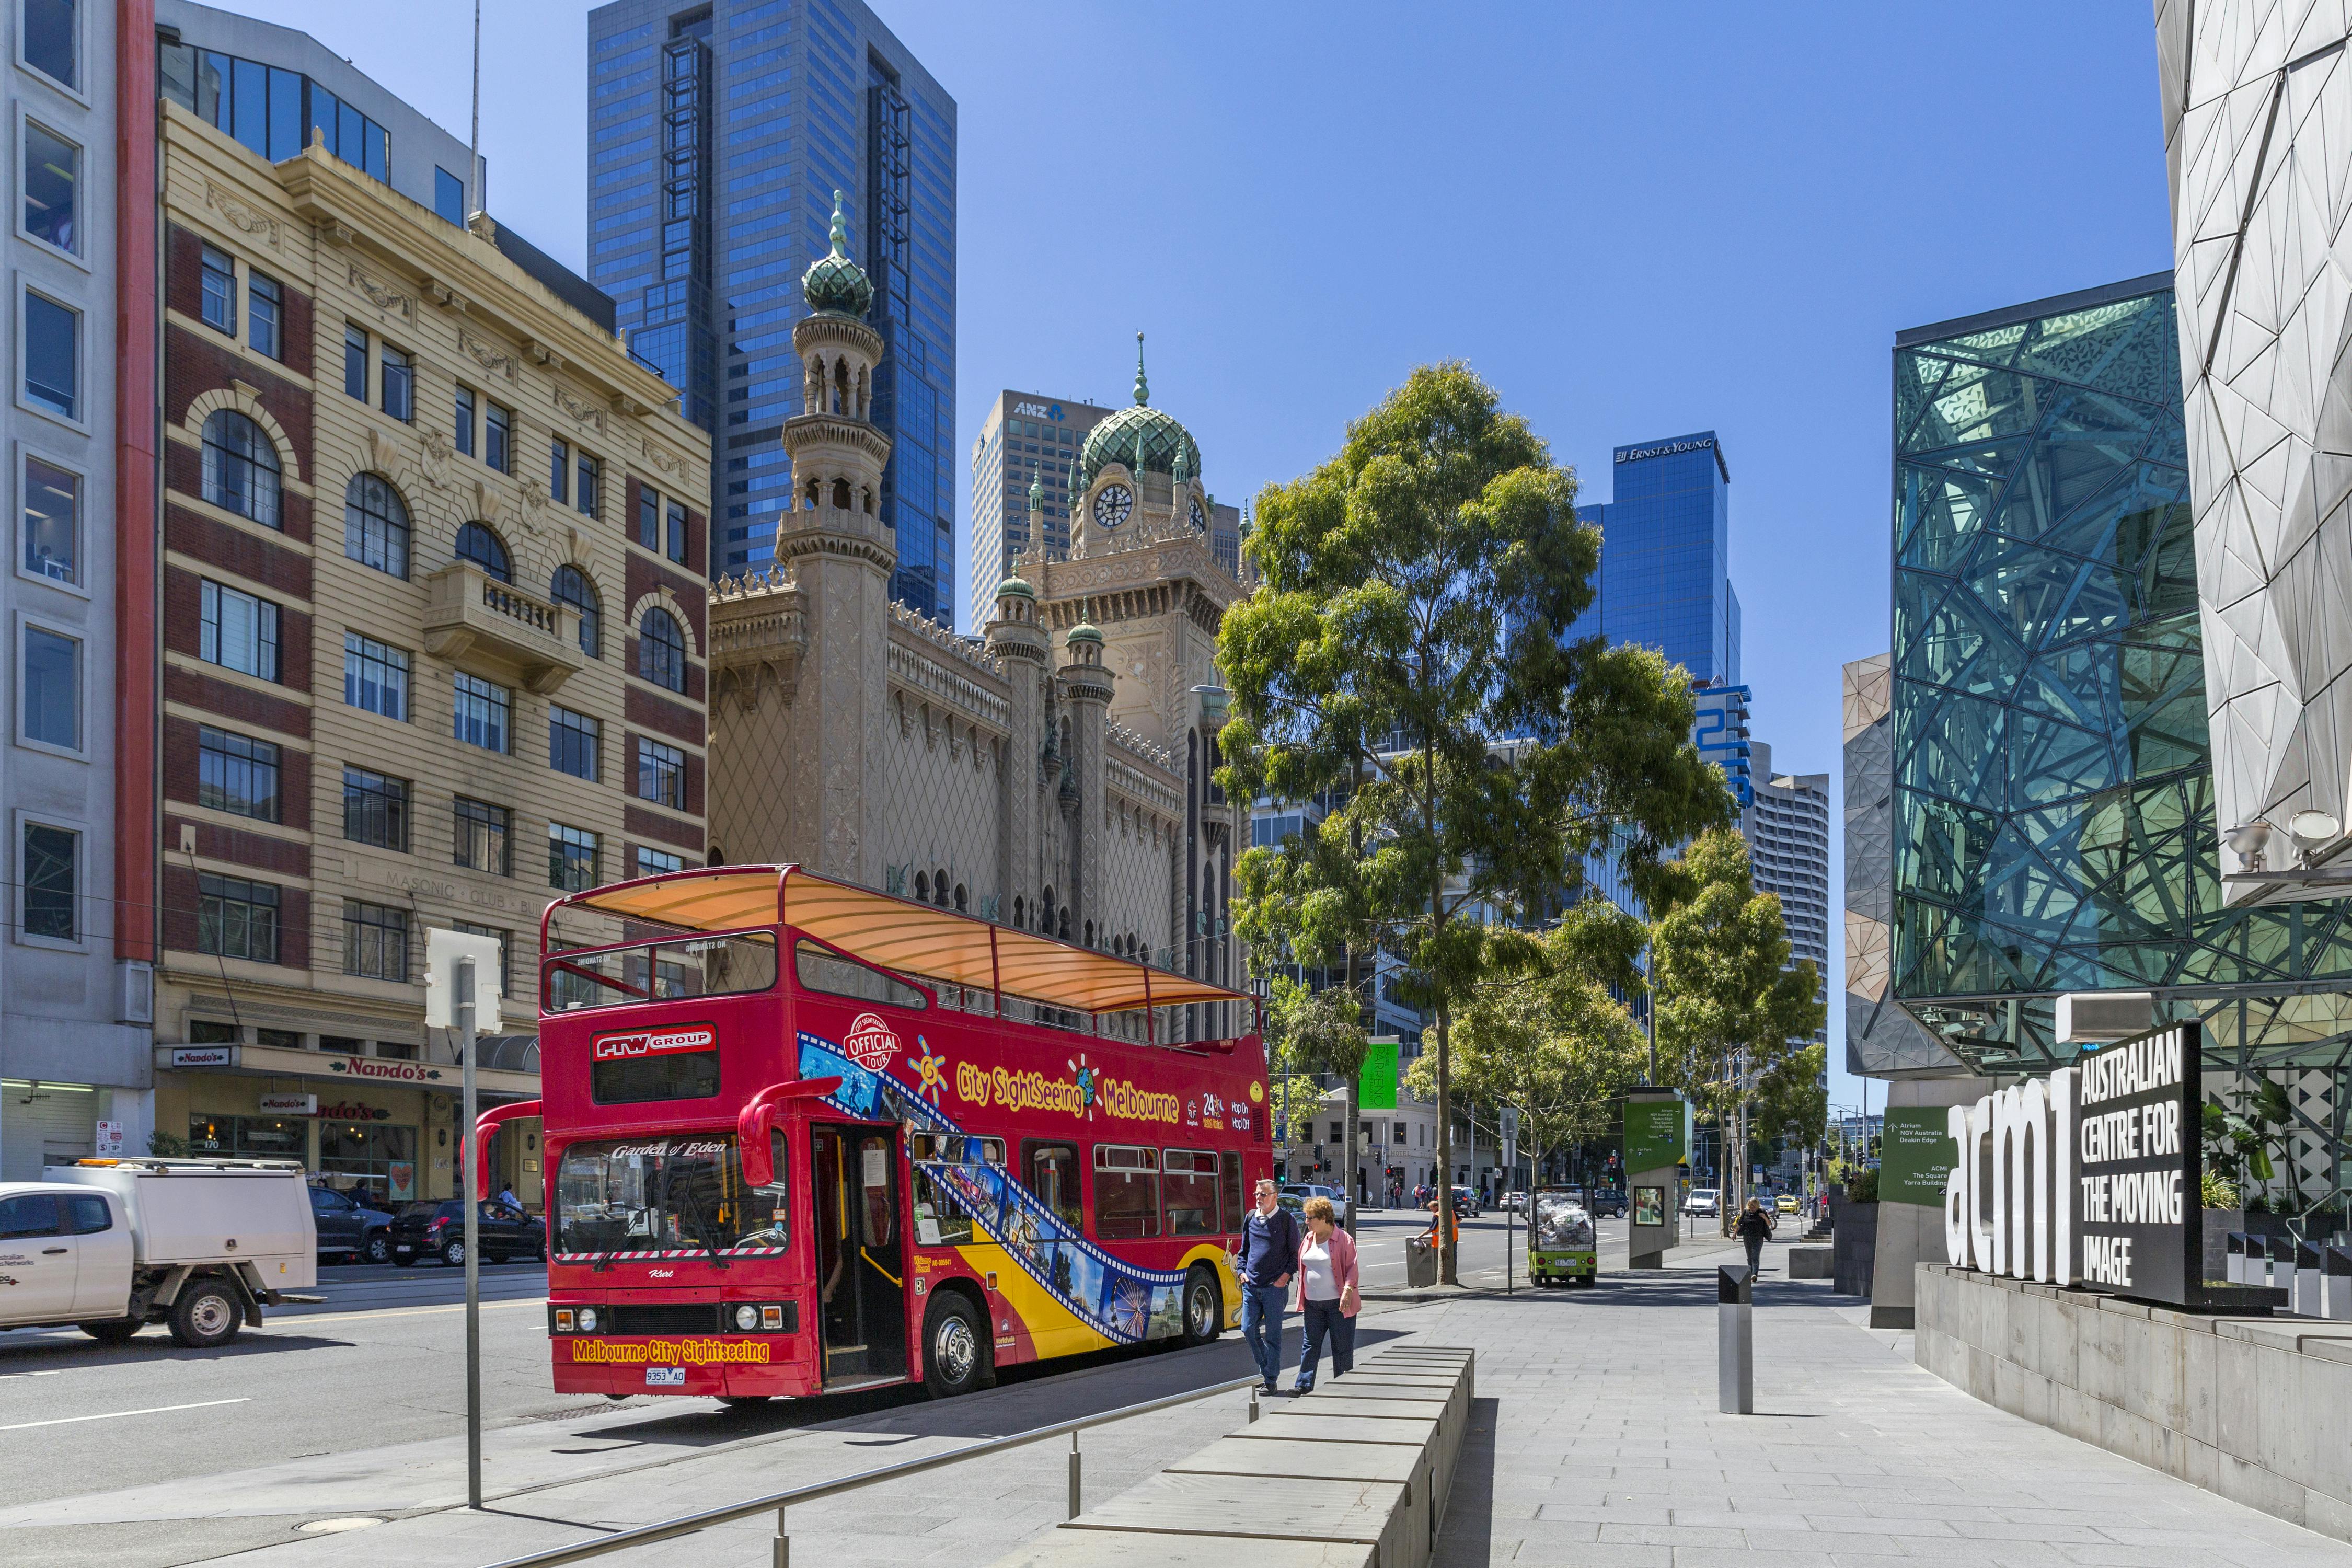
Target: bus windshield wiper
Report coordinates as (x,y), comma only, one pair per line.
(701,1228)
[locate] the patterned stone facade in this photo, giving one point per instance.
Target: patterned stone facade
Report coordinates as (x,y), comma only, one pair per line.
(1052,775)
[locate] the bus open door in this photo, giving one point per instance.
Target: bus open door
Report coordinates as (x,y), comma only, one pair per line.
(861,1257)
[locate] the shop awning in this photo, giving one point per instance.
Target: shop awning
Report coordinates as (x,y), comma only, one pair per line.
(900,934)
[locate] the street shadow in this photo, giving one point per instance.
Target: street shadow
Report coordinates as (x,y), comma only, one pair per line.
(1467,1536)
(156,1344)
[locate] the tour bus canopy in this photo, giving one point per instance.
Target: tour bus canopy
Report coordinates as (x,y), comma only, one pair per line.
(900,934)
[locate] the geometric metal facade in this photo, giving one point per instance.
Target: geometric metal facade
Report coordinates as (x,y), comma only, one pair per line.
(2257,99)
(2054,826)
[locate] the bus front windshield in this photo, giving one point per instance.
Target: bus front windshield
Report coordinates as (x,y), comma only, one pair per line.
(683,1194)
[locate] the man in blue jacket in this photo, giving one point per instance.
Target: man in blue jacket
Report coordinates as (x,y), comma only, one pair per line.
(1268,1252)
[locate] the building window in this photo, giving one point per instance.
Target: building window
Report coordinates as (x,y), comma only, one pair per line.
(498,427)
(236,773)
(661,650)
(484,712)
(52,355)
(559,471)
(375,524)
(448,195)
(52,40)
(52,520)
(236,919)
(219,309)
(678,530)
(588,494)
(573,743)
(240,473)
(375,940)
(239,632)
(49,864)
(649,519)
(661,773)
(479,543)
(52,188)
(654,862)
(375,677)
(484,837)
(465,422)
(570,586)
(375,809)
(396,378)
(354,362)
(264,315)
(570,858)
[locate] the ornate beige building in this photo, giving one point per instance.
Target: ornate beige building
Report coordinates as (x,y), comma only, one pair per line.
(1053,774)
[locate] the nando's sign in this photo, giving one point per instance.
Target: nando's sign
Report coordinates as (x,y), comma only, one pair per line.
(2090,1177)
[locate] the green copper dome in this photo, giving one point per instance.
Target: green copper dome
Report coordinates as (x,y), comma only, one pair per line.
(1015,586)
(1082,632)
(1142,436)
(834,283)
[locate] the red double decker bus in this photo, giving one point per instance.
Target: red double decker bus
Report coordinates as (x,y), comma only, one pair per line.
(804,1137)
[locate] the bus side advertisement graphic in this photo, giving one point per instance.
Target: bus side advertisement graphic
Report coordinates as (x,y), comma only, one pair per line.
(1117,1300)
(670,1352)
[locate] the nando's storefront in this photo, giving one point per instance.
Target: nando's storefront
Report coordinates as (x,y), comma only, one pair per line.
(379,1127)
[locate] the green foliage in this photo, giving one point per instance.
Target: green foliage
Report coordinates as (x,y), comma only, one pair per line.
(167,1146)
(1791,1093)
(1861,1185)
(2241,1140)
(1413,593)
(2219,1191)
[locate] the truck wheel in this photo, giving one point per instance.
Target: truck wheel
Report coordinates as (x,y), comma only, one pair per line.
(1205,1305)
(453,1253)
(206,1314)
(113,1331)
(957,1357)
(378,1249)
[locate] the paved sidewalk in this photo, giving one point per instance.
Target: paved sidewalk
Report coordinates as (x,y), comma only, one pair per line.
(1596,1440)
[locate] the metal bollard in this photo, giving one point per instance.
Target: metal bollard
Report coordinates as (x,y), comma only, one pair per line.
(1073,1475)
(783,1553)
(1253,1414)
(1735,1340)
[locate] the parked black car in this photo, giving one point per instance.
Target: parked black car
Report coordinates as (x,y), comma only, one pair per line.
(349,1229)
(438,1230)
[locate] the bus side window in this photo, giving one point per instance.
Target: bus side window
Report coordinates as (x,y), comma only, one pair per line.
(1229,1192)
(1127,1192)
(1191,1182)
(1050,1171)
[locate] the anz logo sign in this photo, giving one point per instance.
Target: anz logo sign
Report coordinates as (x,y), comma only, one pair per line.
(1039,411)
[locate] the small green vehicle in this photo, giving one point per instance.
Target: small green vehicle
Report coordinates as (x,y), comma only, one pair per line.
(1561,1247)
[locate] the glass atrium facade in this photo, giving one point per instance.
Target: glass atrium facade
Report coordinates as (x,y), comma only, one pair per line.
(2053,823)
(718,135)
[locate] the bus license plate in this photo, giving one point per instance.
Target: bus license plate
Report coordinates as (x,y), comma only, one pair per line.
(664,1377)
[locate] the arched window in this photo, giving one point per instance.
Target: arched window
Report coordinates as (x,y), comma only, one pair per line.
(661,650)
(479,543)
(375,524)
(572,587)
(240,468)
(959,898)
(1020,911)
(922,889)
(1064,932)
(1090,933)
(1045,912)
(841,494)
(939,889)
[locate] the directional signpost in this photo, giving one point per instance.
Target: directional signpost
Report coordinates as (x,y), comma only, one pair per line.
(453,1000)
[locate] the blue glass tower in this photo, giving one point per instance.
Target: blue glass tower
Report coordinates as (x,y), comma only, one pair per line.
(718,133)
(1665,557)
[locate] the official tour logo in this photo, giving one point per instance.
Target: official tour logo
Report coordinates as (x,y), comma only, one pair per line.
(870,1043)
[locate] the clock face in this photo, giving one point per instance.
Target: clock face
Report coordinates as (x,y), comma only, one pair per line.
(1112,506)
(1199,522)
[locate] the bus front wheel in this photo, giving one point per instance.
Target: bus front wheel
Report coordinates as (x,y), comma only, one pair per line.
(957,1358)
(1205,1305)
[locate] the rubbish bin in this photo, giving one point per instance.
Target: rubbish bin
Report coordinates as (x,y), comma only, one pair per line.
(1420,1262)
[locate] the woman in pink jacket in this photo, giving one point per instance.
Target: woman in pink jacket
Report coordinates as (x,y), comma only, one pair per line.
(1329,1297)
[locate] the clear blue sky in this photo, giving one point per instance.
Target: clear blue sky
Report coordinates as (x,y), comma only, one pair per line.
(1634,220)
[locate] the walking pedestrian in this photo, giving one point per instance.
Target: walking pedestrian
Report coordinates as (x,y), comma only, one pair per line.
(1328,1294)
(1267,1258)
(1754,1229)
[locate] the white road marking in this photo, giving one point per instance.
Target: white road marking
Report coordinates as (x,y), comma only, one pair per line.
(111,1414)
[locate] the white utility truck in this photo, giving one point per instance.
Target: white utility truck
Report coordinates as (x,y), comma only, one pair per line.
(111,1245)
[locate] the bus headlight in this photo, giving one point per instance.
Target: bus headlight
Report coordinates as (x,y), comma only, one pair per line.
(587,1320)
(747,1318)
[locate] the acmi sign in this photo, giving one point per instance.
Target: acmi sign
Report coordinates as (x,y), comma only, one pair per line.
(2089,1178)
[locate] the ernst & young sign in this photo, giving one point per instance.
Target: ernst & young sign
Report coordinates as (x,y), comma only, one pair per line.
(2090,1178)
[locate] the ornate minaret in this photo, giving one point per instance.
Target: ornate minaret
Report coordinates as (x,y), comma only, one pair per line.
(841,553)
(1025,650)
(1086,685)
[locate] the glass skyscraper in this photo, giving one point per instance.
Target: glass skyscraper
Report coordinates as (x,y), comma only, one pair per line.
(718,135)
(1665,557)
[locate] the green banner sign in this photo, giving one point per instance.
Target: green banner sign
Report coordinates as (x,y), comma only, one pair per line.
(1657,1133)
(1376,1085)
(1915,1156)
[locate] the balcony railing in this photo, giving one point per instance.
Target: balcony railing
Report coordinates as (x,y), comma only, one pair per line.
(494,629)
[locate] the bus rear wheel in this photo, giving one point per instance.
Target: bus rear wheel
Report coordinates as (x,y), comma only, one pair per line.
(957,1358)
(1205,1305)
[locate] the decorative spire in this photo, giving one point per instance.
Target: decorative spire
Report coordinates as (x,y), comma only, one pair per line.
(840,228)
(833,282)
(1179,472)
(1036,495)
(1142,387)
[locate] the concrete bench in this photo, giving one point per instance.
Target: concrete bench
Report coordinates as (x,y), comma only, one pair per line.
(1811,1262)
(1354,1475)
